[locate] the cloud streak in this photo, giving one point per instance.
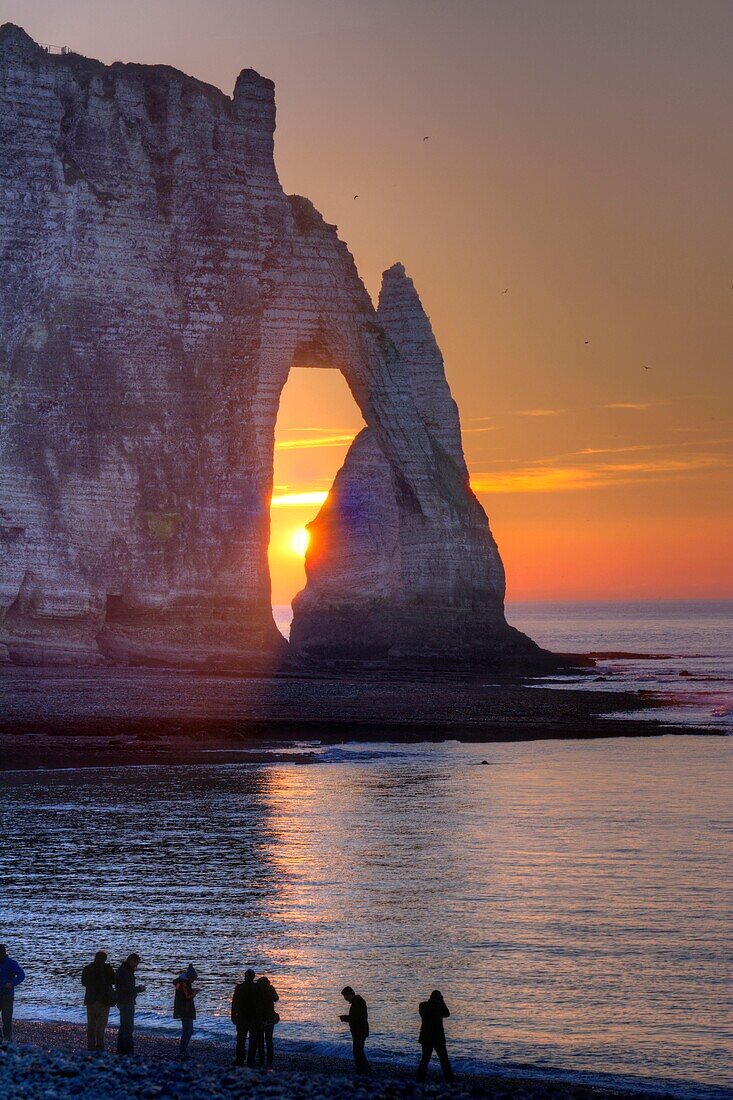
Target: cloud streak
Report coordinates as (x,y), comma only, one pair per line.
(569,477)
(298,500)
(312,444)
(638,405)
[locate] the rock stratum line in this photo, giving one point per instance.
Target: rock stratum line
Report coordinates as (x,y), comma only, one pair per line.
(157,288)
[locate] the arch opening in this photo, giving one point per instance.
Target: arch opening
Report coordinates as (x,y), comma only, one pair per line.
(317,421)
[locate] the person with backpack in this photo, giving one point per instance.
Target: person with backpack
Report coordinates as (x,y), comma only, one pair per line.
(268,998)
(184,1007)
(98,979)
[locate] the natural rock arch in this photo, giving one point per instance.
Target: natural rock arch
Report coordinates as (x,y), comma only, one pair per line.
(158,286)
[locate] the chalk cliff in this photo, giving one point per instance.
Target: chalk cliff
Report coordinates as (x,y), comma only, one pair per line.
(157,286)
(389,575)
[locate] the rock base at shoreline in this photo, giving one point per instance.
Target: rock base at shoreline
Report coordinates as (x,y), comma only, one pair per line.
(73,718)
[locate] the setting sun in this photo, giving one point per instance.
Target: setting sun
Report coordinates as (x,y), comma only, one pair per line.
(299,541)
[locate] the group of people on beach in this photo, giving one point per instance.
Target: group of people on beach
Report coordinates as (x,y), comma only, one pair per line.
(253,1012)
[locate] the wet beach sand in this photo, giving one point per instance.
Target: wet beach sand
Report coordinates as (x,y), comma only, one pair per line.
(92,717)
(49,1061)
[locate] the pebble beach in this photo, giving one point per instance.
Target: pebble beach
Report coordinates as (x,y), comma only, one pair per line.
(48,1062)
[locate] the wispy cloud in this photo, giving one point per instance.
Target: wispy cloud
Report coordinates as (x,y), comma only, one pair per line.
(309,444)
(566,477)
(297,500)
(538,412)
(636,447)
(639,405)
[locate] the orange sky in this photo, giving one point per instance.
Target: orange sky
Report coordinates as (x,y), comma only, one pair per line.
(579,154)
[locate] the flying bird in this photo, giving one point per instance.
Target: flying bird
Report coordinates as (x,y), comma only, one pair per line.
(427,138)
(646,368)
(505,291)
(586,341)
(356,196)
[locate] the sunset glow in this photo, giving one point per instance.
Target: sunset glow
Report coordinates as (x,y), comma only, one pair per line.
(299,541)
(582,299)
(297,500)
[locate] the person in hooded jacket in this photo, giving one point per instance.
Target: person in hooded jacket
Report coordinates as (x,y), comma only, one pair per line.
(432,1035)
(268,998)
(11,975)
(184,1007)
(98,979)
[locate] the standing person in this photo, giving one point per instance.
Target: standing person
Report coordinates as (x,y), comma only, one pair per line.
(358,1021)
(432,1035)
(127,992)
(98,979)
(247,1018)
(11,975)
(184,1008)
(268,998)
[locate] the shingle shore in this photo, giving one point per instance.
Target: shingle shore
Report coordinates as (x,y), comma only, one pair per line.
(49,1063)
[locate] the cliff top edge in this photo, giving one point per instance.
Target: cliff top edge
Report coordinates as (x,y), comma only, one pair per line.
(16,42)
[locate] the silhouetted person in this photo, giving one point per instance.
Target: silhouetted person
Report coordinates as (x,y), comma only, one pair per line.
(432,1035)
(358,1021)
(247,1018)
(268,998)
(184,1007)
(98,979)
(11,975)
(127,992)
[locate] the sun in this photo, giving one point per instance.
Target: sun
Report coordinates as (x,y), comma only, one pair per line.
(299,541)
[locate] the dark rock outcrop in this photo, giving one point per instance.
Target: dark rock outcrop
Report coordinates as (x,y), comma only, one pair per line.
(157,287)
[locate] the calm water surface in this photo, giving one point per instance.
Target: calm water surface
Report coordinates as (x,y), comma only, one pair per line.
(680,651)
(571,899)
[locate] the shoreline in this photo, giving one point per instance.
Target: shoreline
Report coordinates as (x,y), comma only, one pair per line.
(90,717)
(52,1055)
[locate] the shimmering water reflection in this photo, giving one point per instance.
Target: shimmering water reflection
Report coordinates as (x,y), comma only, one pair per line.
(572,899)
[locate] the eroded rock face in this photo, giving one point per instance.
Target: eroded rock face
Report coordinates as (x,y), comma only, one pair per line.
(157,287)
(392,576)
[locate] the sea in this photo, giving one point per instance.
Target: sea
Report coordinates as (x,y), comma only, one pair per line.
(573,900)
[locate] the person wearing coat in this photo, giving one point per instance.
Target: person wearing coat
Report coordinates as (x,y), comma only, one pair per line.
(184,1007)
(98,979)
(11,975)
(127,992)
(432,1035)
(358,1020)
(268,999)
(247,1018)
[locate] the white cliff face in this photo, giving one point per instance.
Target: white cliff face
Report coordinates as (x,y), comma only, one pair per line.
(157,287)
